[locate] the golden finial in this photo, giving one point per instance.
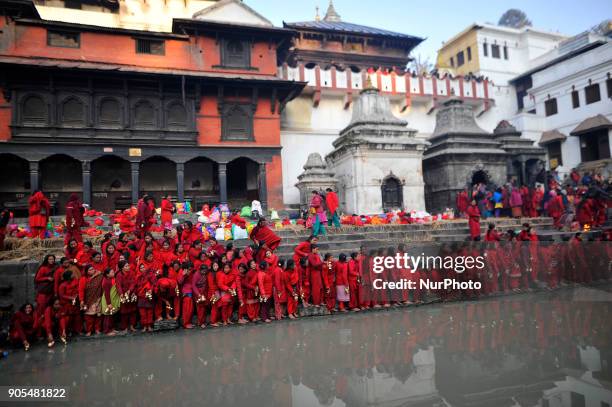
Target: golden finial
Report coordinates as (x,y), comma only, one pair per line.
(317,16)
(368,84)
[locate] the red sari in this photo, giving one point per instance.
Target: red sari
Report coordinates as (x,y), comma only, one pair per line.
(291,281)
(44,284)
(39,211)
(315,265)
(474,221)
(263,234)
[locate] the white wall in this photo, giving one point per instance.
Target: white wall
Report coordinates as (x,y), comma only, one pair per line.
(523,46)
(557,82)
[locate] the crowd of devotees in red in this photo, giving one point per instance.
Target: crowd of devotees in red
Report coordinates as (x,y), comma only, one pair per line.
(136,280)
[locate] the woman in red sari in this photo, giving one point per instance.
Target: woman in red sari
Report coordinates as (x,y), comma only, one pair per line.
(90,295)
(74,219)
(251,294)
(291,280)
(555,208)
(303,248)
(474,220)
(39,211)
(145,283)
(265,283)
(44,283)
(167,209)
(262,235)
(227,284)
(354,280)
(23,326)
(69,300)
(126,287)
(315,267)
(52,322)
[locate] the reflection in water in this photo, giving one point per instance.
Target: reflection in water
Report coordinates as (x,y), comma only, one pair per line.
(547,349)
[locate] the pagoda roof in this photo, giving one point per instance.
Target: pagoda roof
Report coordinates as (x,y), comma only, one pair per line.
(350,28)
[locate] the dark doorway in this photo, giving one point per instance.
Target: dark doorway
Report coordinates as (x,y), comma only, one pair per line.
(242,181)
(594,145)
(480,177)
(201,182)
(61,175)
(14,178)
(157,178)
(392,194)
(111,183)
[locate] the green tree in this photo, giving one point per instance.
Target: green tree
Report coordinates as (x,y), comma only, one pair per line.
(514,18)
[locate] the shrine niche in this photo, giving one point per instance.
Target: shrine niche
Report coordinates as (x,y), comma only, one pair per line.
(378,158)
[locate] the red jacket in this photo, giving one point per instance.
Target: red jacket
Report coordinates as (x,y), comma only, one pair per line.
(331,199)
(265,283)
(341,269)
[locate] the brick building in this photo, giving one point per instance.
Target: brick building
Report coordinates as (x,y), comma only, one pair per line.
(118,112)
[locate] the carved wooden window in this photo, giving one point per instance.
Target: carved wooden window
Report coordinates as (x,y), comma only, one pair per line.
(550,107)
(144,115)
(176,116)
(237,122)
(460,58)
(235,54)
(109,113)
(495,53)
(34,110)
(591,94)
(72,112)
(148,46)
(65,39)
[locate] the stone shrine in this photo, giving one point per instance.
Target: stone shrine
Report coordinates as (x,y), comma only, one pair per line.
(316,176)
(462,154)
(377,159)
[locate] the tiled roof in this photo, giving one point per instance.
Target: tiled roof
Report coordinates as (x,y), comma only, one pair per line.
(592,123)
(350,28)
(550,136)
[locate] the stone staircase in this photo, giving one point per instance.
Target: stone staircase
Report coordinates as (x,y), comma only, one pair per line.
(349,239)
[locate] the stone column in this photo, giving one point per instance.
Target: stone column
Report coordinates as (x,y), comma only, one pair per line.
(86,166)
(523,172)
(180,182)
(223,182)
(135,182)
(33,176)
(263,188)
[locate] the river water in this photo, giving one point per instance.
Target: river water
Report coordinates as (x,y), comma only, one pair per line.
(547,349)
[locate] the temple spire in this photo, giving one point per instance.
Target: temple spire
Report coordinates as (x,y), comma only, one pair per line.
(332,14)
(317,16)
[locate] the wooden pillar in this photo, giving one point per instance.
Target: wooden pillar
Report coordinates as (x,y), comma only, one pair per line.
(135,182)
(34,176)
(86,167)
(263,188)
(223,182)
(180,182)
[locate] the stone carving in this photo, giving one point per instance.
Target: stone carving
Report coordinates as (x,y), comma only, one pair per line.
(316,176)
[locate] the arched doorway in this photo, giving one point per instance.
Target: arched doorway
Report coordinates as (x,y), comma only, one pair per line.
(157,177)
(392,194)
(14,178)
(480,177)
(242,181)
(111,183)
(60,176)
(201,182)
